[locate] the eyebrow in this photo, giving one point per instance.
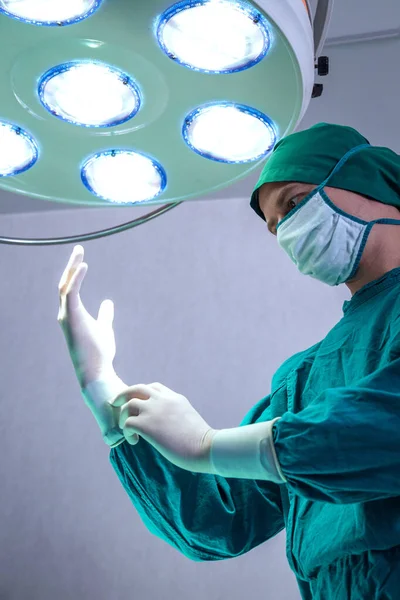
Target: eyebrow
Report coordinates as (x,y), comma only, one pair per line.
(283,194)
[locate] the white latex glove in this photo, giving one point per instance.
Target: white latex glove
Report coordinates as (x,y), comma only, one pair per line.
(91,342)
(91,345)
(168,422)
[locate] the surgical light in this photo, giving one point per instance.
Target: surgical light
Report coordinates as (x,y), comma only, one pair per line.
(149,103)
(229,132)
(89,94)
(49,12)
(124,177)
(215,36)
(18,150)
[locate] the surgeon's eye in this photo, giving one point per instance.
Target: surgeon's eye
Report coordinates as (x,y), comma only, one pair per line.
(292,203)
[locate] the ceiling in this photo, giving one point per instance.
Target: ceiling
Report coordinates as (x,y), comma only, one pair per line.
(351,23)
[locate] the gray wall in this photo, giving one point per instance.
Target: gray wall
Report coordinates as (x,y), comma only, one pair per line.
(207,304)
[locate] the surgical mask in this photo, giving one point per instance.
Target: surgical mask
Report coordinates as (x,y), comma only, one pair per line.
(322,240)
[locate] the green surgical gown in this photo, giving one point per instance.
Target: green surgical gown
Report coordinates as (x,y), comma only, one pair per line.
(338,443)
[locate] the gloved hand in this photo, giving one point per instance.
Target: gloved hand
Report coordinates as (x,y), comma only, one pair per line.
(91,344)
(169,422)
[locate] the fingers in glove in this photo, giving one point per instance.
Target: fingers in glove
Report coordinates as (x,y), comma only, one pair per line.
(132,408)
(132,439)
(76,281)
(140,391)
(71,299)
(70,283)
(130,430)
(75,260)
(159,387)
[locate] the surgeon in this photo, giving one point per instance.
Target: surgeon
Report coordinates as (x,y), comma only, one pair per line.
(320,454)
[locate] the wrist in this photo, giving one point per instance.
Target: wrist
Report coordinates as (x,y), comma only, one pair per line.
(98,395)
(108,374)
(203,462)
(246,453)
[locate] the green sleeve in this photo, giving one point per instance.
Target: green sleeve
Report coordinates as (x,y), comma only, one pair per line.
(205,517)
(345,446)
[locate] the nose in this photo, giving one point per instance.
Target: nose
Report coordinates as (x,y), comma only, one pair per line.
(272,227)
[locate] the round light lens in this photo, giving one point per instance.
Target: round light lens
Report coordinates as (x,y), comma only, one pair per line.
(89,94)
(123,176)
(49,12)
(214,35)
(229,132)
(18,150)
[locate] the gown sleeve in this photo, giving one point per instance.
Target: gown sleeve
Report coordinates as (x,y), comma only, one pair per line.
(205,517)
(345,446)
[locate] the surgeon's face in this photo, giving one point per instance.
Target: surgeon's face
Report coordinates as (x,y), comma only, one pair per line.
(276,200)
(382,251)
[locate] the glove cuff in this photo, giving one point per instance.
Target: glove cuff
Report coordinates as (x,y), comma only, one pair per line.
(97,395)
(246,453)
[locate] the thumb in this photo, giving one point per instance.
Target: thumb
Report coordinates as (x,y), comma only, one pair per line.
(106,312)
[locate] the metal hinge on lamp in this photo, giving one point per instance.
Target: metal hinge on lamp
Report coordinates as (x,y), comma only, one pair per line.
(322,67)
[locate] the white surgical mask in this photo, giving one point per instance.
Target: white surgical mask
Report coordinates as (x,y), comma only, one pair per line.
(322,240)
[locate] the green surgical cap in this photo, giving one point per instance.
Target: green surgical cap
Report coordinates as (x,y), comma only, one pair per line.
(310,156)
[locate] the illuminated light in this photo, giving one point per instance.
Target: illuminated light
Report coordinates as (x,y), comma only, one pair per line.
(229,132)
(123,176)
(214,35)
(89,94)
(18,150)
(49,12)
